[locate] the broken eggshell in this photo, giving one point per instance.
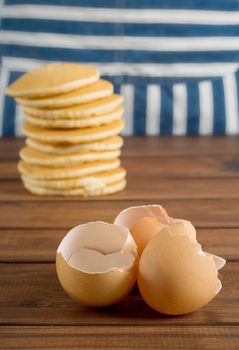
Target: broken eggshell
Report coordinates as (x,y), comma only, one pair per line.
(144,222)
(175,276)
(96,263)
(185,227)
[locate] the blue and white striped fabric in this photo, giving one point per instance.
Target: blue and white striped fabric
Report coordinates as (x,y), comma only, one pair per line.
(175,62)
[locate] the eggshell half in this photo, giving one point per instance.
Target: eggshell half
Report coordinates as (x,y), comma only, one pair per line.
(144,222)
(96,263)
(174,276)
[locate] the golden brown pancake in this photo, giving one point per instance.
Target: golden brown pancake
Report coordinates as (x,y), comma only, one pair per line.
(39,172)
(74,135)
(108,144)
(108,189)
(88,182)
(100,89)
(97,120)
(101,106)
(34,157)
(53,79)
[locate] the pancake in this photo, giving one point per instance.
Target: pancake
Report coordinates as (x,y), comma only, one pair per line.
(38,172)
(34,157)
(102,119)
(53,79)
(108,189)
(101,106)
(92,92)
(74,135)
(99,180)
(108,144)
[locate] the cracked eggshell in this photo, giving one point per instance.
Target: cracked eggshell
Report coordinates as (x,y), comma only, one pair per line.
(96,263)
(175,276)
(144,222)
(185,227)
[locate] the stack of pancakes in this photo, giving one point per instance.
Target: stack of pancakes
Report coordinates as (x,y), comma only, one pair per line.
(72,122)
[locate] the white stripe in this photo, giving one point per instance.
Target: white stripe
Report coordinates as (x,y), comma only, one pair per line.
(72,41)
(230,90)
(19,117)
(136,69)
(4,78)
(179,109)
(206,108)
(153,110)
(127,91)
(120,15)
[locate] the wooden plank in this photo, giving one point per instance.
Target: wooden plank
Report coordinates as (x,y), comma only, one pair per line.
(9,148)
(171,146)
(39,245)
(173,338)
(30,294)
(140,188)
(151,146)
(66,214)
(173,167)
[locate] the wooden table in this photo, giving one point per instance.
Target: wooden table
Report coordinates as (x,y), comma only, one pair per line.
(196,179)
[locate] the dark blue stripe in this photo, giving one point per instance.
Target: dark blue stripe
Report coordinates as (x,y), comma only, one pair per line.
(116,87)
(166,112)
(8,127)
(219,121)
(56,54)
(139,109)
(78,55)
(229,5)
(62,27)
(193,109)
(136,29)
(116,81)
(83,3)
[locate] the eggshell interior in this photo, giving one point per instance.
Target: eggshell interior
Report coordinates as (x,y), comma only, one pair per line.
(96,263)
(103,237)
(175,277)
(92,261)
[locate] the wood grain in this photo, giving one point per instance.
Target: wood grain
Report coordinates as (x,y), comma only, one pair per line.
(66,214)
(141,187)
(39,245)
(124,338)
(30,294)
(152,146)
(173,167)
